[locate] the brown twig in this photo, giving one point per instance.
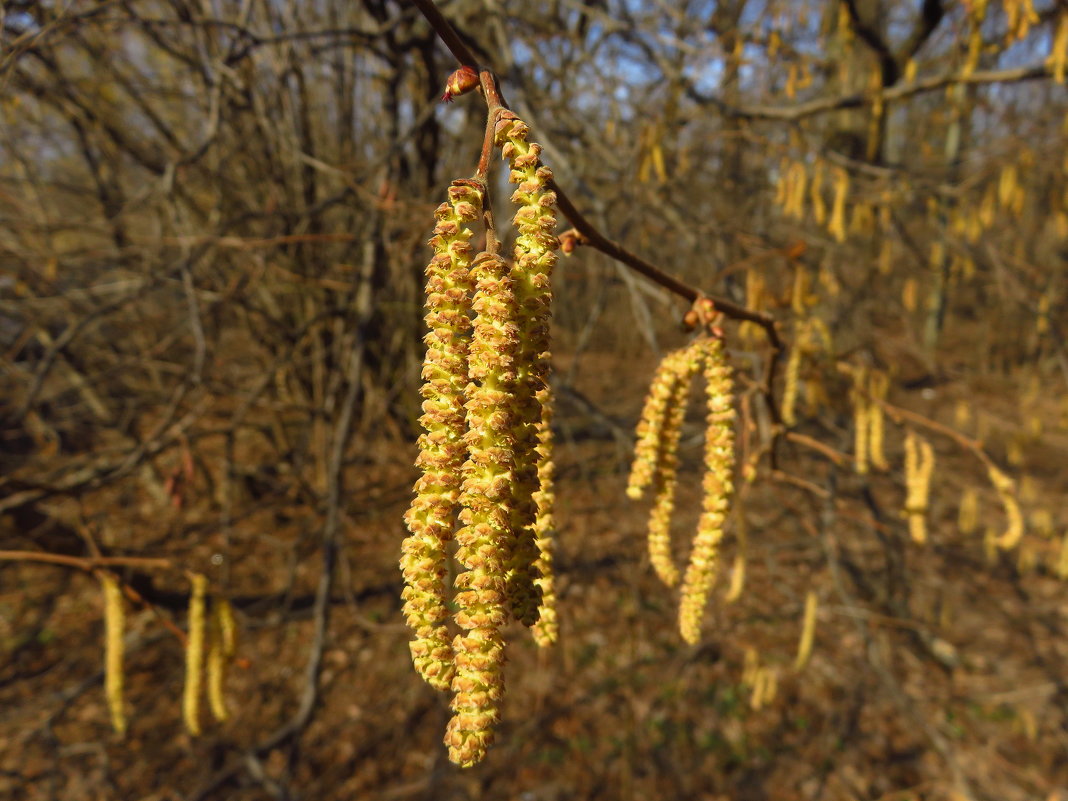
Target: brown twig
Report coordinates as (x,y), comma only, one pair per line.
(86,563)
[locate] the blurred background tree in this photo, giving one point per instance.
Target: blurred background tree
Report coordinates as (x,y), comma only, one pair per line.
(212,225)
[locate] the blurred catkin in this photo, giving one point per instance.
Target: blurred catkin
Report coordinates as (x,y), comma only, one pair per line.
(114,649)
(222,643)
(1014,524)
(430,520)
(919,466)
(878,384)
(488,499)
(194,654)
(651,424)
(718,487)
(808,631)
(861,420)
(545,630)
(683,364)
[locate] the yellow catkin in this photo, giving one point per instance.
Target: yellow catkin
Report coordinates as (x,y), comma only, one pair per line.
(718,486)
(737,586)
(836,224)
(535,257)
(755,292)
(194,654)
(1014,523)
(488,500)
(651,423)
(808,631)
(919,465)
(968,514)
(684,364)
(222,644)
(114,649)
(878,384)
(861,421)
(760,682)
(819,206)
(545,630)
(793,375)
(430,520)
(795,202)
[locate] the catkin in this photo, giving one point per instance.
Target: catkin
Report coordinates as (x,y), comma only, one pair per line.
(919,466)
(878,384)
(968,514)
(651,424)
(535,257)
(488,500)
(222,643)
(424,559)
(545,630)
(194,654)
(861,421)
(793,375)
(683,363)
(1006,489)
(836,224)
(737,585)
(718,486)
(114,649)
(808,631)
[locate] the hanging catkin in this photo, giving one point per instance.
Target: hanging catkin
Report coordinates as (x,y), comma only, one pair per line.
(535,257)
(718,487)
(424,558)
(194,654)
(683,363)
(114,649)
(488,499)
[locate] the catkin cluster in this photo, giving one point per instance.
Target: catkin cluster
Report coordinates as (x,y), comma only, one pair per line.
(210,647)
(486,452)
(656,464)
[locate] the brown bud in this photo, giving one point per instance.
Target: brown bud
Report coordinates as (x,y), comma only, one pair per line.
(460,83)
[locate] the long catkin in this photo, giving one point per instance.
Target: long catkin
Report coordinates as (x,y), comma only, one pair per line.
(534,260)
(683,364)
(718,487)
(442,451)
(194,654)
(488,499)
(114,649)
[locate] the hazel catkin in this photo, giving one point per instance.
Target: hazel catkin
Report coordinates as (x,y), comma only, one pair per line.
(442,451)
(194,654)
(534,260)
(683,363)
(718,487)
(488,497)
(114,649)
